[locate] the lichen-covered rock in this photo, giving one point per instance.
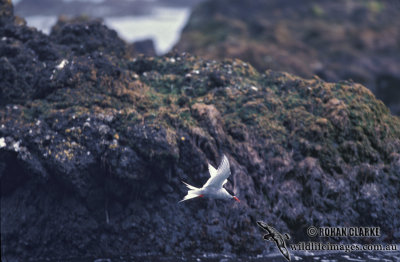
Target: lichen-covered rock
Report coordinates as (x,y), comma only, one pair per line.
(92,153)
(345,39)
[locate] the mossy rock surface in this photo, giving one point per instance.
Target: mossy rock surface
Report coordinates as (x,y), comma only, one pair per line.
(344,39)
(93,151)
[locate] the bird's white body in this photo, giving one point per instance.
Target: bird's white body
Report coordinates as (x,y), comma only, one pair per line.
(213,188)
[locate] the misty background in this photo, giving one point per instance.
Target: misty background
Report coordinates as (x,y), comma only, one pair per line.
(134,20)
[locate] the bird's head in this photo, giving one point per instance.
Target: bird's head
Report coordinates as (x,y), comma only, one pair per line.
(237,199)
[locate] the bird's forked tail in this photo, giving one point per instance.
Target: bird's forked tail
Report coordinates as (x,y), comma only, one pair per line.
(192,193)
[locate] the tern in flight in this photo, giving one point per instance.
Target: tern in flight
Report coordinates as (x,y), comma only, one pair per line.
(213,188)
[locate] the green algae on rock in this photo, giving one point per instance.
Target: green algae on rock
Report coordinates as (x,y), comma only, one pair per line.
(345,39)
(94,161)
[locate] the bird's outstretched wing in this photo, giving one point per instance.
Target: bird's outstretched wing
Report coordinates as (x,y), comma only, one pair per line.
(212,170)
(218,177)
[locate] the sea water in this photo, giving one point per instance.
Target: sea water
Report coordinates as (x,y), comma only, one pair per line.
(163,25)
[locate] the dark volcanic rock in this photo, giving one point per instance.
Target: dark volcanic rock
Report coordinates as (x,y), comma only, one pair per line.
(145,47)
(93,150)
(84,36)
(336,40)
(26,56)
(6,12)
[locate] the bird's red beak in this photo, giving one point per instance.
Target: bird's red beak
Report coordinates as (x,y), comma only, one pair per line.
(237,199)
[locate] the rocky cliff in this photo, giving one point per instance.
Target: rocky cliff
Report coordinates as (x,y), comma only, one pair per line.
(94,144)
(336,40)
